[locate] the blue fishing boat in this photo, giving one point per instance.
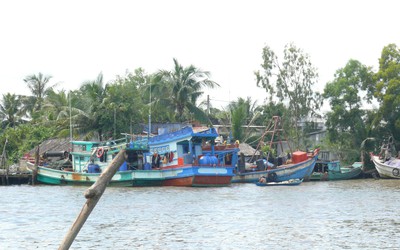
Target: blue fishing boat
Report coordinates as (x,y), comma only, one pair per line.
(296,165)
(294,170)
(194,149)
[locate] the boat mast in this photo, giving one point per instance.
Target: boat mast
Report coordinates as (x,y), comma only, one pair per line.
(70,117)
(148,132)
(275,129)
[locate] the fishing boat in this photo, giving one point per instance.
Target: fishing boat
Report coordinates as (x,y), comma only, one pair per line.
(170,159)
(389,168)
(296,165)
(88,159)
(291,182)
(332,170)
(296,169)
(195,149)
(387,165)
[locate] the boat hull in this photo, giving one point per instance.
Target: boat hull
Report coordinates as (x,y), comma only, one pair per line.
(169,159)
(333,176)
(212,176)
(282,183)
(132,178)
(385,170)
(301,170)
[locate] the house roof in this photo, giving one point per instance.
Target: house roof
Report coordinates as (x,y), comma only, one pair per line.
(248,150)
(62,144)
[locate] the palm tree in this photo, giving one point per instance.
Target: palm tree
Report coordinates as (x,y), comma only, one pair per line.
(57,107)
(39,86)
(243,112)
(180,89)
(93,94)
(56,104)
(10,110)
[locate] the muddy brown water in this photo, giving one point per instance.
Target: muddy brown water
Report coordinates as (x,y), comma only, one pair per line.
(352,214)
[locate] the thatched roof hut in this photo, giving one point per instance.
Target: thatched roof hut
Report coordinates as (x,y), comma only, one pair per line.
(62,144)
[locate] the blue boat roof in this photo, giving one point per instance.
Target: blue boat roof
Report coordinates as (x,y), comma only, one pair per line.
(209,133)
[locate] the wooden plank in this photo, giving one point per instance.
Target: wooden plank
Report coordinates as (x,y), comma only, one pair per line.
(93,195)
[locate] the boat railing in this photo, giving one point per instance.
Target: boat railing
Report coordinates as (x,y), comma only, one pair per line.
(220,147)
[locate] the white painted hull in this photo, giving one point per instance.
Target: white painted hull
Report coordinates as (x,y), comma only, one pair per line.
(385,170)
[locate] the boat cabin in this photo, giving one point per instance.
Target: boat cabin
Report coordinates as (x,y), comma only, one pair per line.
(191,146)
(326,166)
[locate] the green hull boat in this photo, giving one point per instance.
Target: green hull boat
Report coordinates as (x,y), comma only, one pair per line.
(331,171)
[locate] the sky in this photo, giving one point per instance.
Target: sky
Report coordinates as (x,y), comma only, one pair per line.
(73,41)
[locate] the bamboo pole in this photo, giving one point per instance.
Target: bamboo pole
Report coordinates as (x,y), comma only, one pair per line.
(36,166)
(93,195)
(3,165)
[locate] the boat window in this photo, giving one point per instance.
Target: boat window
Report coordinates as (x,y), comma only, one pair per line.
(318,167)
(182,147)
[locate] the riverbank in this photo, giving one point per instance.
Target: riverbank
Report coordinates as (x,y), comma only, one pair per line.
(15,178)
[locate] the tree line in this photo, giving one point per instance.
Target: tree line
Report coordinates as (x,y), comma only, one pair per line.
(104,110)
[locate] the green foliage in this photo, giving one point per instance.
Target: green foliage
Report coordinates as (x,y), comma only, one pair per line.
(291,81)
(24,138)
(266,149)
(271,109)
(346,122)
(125,100)
(101,109)
(178,91)
(239,117)
(10,110)
(387,89)
(91,101)
(243,113)
(217,116)
(39,87)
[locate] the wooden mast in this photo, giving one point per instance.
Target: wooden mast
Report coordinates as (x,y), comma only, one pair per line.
(274,129)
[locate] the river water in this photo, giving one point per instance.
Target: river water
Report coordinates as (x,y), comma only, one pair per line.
(352,214)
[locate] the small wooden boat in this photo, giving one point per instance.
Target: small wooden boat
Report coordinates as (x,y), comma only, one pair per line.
(332,170)
(291,182)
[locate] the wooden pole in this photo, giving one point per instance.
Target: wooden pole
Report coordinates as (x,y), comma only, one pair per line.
(3,165)
(93,195)
(36,166)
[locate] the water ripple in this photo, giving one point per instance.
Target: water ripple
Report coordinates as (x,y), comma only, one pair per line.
(315,215)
